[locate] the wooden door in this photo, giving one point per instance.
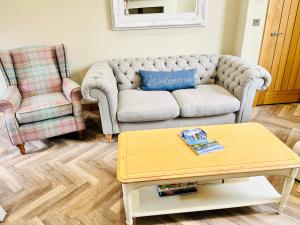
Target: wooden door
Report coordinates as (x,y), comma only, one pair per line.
(280,53)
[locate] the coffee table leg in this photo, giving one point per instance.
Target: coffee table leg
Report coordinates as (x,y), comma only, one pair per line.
(287,187)
(127,198)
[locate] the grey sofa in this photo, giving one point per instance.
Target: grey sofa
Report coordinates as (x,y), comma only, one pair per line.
(226,86)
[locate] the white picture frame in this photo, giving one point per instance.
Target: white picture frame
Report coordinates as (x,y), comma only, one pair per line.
(2,214)
(120,21)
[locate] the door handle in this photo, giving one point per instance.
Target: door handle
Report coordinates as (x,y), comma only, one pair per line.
(276,34)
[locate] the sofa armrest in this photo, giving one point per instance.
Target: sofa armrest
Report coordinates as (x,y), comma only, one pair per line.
(9,104)
(234,72)
(71,90)
(242,80)
(100,85)
(99,76)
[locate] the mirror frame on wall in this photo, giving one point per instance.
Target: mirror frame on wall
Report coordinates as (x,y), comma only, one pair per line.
(120,21)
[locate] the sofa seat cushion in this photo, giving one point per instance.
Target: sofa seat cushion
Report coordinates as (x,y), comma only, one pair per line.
(206,100)
(143,106)
(42,107)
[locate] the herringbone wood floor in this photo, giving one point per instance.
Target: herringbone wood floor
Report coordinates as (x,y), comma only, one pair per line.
(67,181)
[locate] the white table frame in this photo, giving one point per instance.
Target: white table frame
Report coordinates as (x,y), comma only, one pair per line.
(290,175)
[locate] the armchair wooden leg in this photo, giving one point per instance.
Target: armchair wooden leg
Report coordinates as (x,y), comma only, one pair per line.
(22,148)
(81,134)
(108,138)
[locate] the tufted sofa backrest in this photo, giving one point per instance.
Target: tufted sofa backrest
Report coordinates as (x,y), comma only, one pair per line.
(126,70)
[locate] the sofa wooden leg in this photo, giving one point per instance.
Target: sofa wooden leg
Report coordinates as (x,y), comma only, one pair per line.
(22,148)
(81,134)
(108,138)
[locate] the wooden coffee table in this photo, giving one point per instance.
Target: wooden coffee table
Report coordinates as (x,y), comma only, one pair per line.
(149,158)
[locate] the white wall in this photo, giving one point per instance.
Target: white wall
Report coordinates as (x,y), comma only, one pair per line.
(86,31)
(240,27)
(85,28)
(253,35)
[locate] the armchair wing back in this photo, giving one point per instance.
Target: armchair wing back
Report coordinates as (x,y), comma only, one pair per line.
(35,70)
(41,100)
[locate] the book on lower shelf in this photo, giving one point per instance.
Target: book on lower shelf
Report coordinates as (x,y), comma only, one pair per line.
(198,141)
(176,189)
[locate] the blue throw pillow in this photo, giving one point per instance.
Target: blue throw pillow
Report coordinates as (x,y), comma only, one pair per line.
(167,81)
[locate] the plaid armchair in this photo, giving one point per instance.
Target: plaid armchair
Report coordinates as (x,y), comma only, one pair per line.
(41,100)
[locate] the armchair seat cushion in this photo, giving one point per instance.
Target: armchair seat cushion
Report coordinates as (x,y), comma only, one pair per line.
(43,107)
(144,106)
(206,100)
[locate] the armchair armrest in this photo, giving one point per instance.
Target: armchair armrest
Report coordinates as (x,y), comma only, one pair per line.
(10,100)
(100,85)
(71,90)
(9,104)
(242,80)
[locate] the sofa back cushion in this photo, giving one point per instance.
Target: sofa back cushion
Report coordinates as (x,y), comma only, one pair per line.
(37,70)
(127,70)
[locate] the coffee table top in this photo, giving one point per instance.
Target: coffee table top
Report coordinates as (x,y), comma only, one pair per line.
(160,154)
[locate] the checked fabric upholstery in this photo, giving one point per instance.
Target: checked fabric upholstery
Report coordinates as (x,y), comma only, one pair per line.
(41,100)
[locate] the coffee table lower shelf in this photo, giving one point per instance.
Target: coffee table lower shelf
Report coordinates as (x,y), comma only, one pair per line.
(254,191)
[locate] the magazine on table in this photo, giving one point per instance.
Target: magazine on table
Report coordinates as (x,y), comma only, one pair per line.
(197,140)
(176,189)
(172,187)
(178,192)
